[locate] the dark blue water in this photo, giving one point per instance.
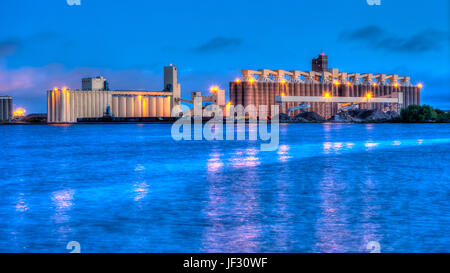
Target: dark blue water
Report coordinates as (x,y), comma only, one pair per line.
(131,188)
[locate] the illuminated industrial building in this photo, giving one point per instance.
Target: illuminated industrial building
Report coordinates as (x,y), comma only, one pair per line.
(6,108)
(95,100)
(324,90)
(217,98)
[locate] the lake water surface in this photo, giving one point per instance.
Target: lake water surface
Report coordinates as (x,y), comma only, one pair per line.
(131,188)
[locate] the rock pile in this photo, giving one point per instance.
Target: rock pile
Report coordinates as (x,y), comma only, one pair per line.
(284,117)
(355,115)
(303,117)
(364,115)
(309,117)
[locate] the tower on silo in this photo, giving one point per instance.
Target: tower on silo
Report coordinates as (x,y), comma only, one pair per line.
(94,84)
(171,84)
(320,64)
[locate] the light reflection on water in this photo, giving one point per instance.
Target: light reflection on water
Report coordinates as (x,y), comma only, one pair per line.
(63,200)
(283,153)
(370,213)
(331,226)
(141,190)
(371,145)
(328,188)
(214,162)
(246,158)
(238,197)
(21,204)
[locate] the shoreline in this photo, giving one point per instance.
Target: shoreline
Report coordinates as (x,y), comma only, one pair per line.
(171,122)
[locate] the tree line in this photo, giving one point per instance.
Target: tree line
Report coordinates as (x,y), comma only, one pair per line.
(423,113)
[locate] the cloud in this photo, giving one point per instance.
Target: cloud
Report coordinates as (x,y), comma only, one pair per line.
(22,78)
(219,44)
(13,45)
(378,38)
(8,47)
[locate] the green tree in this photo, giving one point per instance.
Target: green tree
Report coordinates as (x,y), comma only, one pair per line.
(411,114)
(442,116)
(417,113)
(428,113)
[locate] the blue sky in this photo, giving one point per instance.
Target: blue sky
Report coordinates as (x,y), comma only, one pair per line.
(44,44)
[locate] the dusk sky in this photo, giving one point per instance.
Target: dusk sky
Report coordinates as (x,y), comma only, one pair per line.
(49,43)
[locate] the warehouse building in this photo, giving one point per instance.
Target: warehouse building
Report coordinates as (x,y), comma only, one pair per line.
(95,100)
(322,90)
(6,108)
